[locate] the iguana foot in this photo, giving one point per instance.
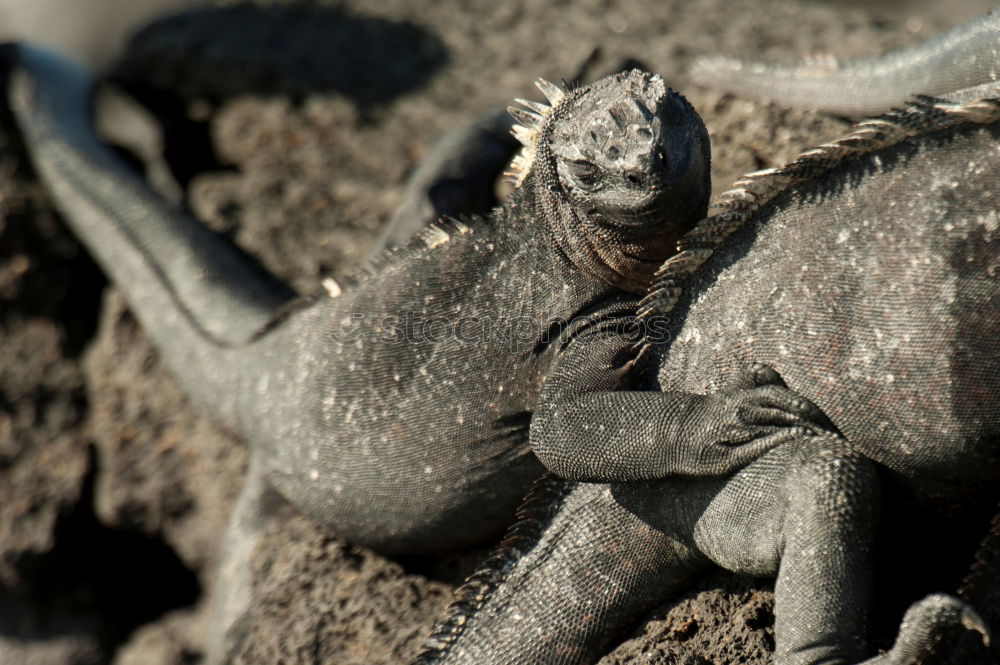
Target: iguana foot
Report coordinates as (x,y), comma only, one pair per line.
(753,414)
(766,400)
(926,630)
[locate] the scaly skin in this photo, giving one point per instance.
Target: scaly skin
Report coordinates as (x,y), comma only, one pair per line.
(356,409)
(865,272)
(966,56)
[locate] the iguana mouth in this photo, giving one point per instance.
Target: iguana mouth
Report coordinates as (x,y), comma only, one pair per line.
(646,209)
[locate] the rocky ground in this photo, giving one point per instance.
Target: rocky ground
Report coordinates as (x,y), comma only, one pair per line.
(292,129)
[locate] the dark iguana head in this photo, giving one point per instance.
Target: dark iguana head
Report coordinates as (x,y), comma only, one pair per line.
(623,168)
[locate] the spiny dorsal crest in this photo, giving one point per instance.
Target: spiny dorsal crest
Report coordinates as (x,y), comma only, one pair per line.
(754,190)
(533,518)
(531,120)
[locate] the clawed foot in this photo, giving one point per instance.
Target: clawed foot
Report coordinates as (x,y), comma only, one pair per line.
(763,400)
(756,412)
(927,632)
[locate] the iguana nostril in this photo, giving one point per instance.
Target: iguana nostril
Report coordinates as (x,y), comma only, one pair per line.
(634,178)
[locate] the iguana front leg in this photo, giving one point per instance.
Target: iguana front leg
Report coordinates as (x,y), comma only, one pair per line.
(966,56)
(589,427)
(805,511)
(608,436)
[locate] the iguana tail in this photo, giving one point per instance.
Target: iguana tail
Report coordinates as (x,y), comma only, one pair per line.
(196,294)
(966,56)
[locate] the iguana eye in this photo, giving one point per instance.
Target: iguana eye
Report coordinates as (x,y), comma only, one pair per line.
(583,171)
(661,156)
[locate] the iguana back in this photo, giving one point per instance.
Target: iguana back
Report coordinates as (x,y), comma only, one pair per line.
(887,312)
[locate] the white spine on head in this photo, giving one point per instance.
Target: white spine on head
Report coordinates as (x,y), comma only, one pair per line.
(531,119)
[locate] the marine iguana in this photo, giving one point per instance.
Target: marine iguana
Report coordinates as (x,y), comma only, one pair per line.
(359,408)
(966,56)
(866,273)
